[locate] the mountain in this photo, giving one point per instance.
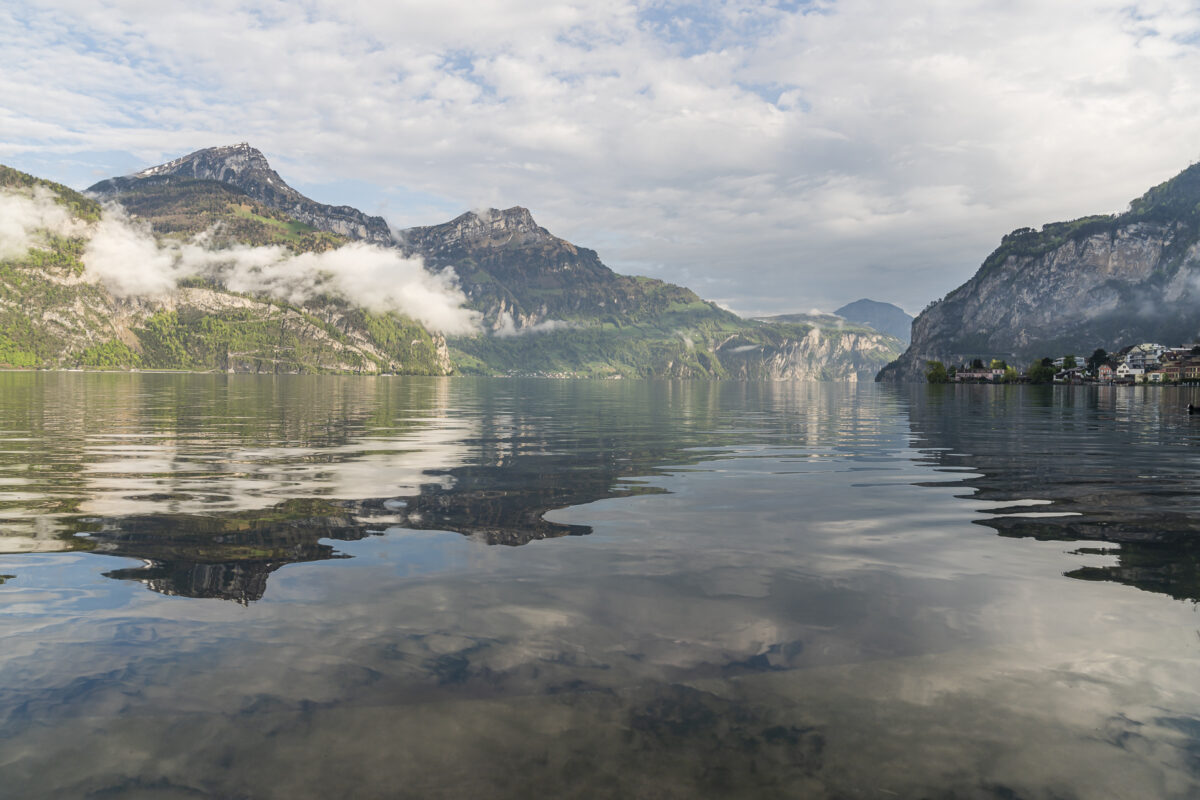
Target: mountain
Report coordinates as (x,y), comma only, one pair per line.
(514,270)
(1071,287)
(549,307)
(818,318)
(53,316)
(556,309)
(883,317)
(245,168)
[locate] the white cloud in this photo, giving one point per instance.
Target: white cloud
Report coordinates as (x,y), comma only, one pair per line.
(25,216)
(829,145)
(128,260)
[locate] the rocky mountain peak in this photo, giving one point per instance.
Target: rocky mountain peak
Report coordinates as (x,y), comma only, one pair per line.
(228,164)
(492,222)
(247,169)
(484,228)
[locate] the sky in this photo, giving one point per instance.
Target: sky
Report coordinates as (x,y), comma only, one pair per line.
(774,157)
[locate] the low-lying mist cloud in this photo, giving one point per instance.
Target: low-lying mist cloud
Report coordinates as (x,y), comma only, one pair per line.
(126,258)
(506,325)
(23,214)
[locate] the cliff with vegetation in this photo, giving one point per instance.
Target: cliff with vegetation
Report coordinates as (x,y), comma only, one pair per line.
(52,316)
(1072,287)
(544,305)
(553,308)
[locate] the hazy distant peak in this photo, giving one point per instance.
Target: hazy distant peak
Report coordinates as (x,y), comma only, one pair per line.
(883,317)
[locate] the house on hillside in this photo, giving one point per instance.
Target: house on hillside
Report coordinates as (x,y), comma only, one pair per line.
(1144,356)
(1127,373)
(1104,374)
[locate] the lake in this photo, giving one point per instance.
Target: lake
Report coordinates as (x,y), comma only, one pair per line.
(240,586)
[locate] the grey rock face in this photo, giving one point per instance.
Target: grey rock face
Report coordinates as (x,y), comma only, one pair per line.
(246,168)
(829,355)
(1073,287)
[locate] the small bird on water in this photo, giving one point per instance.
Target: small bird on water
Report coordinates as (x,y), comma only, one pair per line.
(1191,409)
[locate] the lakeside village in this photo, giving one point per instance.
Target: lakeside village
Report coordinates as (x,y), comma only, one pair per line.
(1140,363)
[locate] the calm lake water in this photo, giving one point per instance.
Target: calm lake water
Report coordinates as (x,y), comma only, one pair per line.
(338,587)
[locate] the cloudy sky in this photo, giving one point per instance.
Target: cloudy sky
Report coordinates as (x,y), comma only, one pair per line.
(772,156)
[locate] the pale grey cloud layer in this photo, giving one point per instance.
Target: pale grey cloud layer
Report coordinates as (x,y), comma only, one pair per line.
(774,157)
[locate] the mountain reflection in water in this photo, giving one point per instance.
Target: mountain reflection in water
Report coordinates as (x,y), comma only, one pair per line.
(721,589)
(342,445)
(1112,465)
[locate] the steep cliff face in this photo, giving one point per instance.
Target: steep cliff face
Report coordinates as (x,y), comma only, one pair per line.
(1071,287)
(246,168)
(817,355)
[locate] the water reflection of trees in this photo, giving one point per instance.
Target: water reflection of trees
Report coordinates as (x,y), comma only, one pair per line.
(1118,462)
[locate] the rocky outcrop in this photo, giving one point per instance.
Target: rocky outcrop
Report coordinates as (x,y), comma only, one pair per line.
(818,355)
(1104,281)
(246,168)
(520,275)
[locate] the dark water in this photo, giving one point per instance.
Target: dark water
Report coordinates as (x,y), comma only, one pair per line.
(328,587)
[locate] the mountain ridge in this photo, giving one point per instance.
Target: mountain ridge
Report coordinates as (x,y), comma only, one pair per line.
(883,317)
(1070,287)
(549,307)
(246,168)
(52,316)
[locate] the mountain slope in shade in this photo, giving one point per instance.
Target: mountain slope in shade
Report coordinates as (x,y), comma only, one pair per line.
(883,317)
(1071,287)
(246,169)
(518,273)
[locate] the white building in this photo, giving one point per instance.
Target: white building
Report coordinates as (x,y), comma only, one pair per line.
(1126,371)
(1145,355)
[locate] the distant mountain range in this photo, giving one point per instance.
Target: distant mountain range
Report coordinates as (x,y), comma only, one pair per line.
(545,305)
(1096,282)
(883,317)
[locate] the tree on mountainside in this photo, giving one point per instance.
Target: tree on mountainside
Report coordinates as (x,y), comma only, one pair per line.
(1041,371)
(936,372)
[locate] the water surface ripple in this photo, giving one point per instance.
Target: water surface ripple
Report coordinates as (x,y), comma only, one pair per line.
(238,586)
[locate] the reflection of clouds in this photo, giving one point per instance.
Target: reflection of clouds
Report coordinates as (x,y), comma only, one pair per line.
(28,532)
(119,444)
(795,619)
(487,682)
(132,480)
